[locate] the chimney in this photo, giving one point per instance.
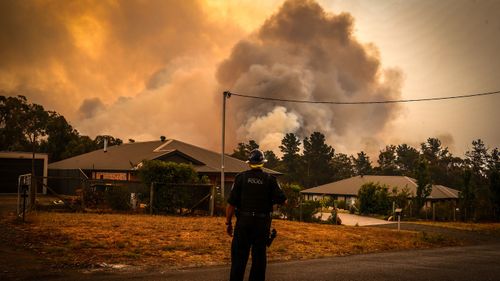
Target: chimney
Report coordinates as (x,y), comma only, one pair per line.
(163,138)
(105,145)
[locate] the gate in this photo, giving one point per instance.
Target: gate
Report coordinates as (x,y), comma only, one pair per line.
(23,195)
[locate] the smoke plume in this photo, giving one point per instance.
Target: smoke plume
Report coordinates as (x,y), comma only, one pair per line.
(132,69)
(142,69)
(304,53)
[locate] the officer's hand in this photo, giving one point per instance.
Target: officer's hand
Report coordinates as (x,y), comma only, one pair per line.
(229,229)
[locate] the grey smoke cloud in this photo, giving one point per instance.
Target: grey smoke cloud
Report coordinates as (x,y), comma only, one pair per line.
(302,52)
(90,107)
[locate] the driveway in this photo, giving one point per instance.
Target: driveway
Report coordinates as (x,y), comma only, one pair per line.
(353,220)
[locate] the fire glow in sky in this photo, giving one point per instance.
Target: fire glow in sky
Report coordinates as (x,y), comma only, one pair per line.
(141,69)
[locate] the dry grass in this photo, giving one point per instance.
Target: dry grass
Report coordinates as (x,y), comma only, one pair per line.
(483,228)
(84,240)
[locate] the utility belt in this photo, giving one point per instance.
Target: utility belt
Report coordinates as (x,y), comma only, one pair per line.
(254,214)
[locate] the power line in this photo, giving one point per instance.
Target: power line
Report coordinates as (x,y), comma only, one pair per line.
(363,102)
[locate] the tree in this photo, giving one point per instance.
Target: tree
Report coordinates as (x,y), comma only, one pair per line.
(387,161)
(373,199)
(438,160)
(60,134)
(79,145)
(35,126)
(12,117)
(494,180)
(99,141)
(406,159)
(477,160)
(362,164)
(164,176)
(272,160)
(432,150)
(424,184)
(317,157)
(467,194)
(290,147)
(243,150)
(20,121)
(291,208)
(400,197)
(341,167)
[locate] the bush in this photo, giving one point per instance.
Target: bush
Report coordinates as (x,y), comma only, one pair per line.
(291,209)
(374,199)
(309,209)
(171,181)
(335,219)
(118,198)
(342,204)
(444,211)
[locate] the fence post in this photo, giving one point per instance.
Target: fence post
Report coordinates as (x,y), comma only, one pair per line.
(300,207)
(151,194)
(212,201)
(433,211)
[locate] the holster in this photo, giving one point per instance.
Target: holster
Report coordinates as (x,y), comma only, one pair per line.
(271,237)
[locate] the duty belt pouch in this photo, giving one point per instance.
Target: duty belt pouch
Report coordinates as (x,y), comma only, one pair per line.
(272,235)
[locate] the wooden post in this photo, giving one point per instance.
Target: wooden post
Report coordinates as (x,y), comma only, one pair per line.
(300,207)
(454,212)
(151,194)
(212,201)
(433,211)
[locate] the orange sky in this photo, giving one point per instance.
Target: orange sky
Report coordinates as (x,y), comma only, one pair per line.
(141,69)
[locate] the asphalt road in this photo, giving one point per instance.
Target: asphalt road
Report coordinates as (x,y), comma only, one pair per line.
(469,263)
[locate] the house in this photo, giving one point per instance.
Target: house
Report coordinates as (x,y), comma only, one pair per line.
(121,162)
(14,164)
(347,189)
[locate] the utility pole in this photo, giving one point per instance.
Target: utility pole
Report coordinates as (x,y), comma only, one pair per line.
(225,96)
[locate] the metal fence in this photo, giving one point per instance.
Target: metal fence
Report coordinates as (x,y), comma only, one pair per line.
(103,195)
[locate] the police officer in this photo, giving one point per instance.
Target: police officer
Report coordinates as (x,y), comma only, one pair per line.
(252,197)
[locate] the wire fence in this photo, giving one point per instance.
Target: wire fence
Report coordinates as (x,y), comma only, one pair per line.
(105,195)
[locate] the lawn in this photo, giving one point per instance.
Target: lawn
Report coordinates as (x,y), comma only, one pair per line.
(483,228)
(87,240)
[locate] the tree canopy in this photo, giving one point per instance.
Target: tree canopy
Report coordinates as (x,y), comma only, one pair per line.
(27,126)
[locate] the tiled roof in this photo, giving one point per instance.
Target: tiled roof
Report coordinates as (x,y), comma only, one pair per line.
(128,156)
(352,185)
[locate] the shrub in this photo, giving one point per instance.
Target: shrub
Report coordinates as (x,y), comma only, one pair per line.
(291,209)
(335,219)
(444,211)
(118,198)
(309,209)
(342,204)
(374,199)
(171,181)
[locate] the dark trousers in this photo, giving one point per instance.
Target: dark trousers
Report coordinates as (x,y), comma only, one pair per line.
(250,233)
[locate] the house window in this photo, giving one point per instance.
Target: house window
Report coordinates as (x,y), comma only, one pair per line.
(111,176)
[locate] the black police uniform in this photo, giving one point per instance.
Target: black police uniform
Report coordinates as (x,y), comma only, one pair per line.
(253,194)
